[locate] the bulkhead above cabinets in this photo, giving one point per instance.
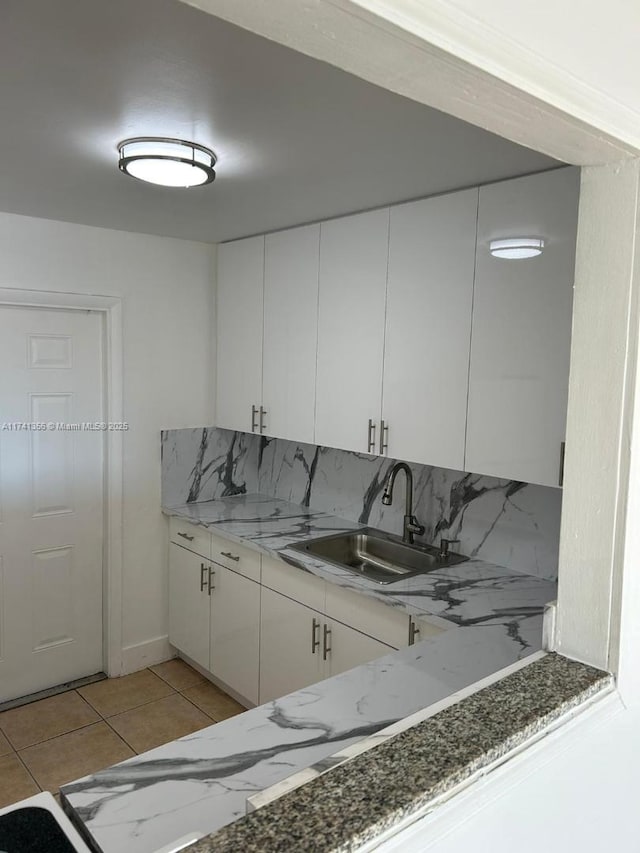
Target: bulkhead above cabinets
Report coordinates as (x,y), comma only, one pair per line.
(397,332)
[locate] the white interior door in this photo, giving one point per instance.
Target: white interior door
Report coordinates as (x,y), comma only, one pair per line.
(51,497)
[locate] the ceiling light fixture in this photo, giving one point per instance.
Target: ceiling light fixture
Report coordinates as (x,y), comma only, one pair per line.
(167,162)
(516,248)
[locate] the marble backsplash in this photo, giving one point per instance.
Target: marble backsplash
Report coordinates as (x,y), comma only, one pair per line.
(511,524)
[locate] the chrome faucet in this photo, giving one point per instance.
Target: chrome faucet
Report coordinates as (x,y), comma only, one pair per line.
(410,527)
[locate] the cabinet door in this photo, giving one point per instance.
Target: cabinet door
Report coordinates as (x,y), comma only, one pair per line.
(188,604)
(347,648)
(290,332)
(428,327)
(353,279)
(235,631)
(522,330)
(290,646)
(239,332)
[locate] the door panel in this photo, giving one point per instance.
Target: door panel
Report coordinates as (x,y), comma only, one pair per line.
(353,282)
(52,596)
(189,604)
(290,332)
(51,453)
(239,332)
(428,328)
(235,632)
(350,648)
(519,372)
(287,659)
(51,498)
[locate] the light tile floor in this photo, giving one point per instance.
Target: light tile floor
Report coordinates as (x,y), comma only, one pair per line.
(53,741)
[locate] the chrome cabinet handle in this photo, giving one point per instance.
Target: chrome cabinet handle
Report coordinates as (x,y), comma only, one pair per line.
(561,471)
(413,631)
(371,437)
(203,571)
(254,412)
(384,437)
(186,536)
(230,556)
(211,584)
(263,412)
(326,636)
(315,635)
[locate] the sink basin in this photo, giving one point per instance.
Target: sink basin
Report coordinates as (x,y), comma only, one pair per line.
(378,556)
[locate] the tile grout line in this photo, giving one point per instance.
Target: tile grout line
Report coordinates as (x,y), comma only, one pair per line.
(60,734)
(122,738)
(202,711)
(31,776)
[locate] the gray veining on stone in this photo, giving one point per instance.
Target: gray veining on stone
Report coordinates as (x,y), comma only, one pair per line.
(356,802)
(203,464)
(474,593)
(201,782)
(212,477)
(504,522)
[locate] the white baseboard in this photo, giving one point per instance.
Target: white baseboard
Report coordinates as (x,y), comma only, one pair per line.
(141,655)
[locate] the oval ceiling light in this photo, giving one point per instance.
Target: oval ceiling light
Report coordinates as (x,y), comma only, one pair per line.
(516,248)
(167,162)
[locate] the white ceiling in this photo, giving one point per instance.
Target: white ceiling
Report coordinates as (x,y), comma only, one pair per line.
(297,140)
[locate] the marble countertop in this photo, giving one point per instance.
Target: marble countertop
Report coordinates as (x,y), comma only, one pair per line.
(351,806)
(472,593)
(199,784)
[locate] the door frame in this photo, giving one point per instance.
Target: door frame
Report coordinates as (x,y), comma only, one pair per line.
(111,309)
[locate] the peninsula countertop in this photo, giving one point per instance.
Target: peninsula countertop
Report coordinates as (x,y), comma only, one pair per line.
(200,783)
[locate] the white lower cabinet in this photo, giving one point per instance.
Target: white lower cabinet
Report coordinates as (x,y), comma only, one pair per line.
(290,656)
(235,631)
(344,648)
(265,640)
(300,646)
(189,604)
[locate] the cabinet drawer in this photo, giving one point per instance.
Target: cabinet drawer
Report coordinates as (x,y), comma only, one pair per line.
(243,560)
(294,583)
(378,620)
(190,536)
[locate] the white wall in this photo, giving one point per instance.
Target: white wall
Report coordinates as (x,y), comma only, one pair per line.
(578,55)
(167,290)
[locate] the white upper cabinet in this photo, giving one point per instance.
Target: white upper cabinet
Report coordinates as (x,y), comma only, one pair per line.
(428,328)
(239,333)
(290,333)
(522,330)
(353,281)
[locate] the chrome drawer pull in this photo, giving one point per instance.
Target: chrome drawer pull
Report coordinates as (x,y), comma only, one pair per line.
(371,437)
(384,437)
(413,632)
(254,412)
(203,571)
(186,536)
(211,576)
(315,635)
(326,648)
(230,556)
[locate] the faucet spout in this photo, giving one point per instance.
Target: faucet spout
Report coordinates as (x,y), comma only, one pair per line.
(411,527)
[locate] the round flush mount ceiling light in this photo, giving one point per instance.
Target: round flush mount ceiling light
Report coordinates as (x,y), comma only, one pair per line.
(167,162)
(516,248)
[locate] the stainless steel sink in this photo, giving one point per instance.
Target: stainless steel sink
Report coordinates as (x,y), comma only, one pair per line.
(378,556)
